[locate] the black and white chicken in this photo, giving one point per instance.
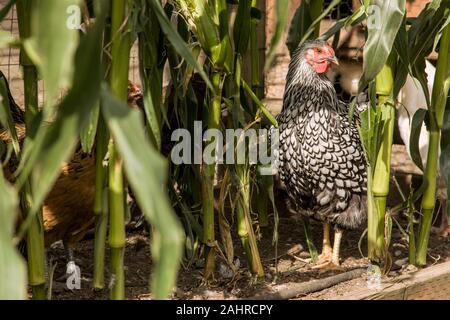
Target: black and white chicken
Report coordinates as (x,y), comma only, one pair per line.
(320,158)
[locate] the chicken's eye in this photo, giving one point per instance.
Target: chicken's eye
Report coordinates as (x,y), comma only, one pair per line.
(319,50)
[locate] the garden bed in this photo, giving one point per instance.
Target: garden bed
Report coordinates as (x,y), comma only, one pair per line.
(403,282)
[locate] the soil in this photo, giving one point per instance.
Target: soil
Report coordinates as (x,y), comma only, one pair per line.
(292,263)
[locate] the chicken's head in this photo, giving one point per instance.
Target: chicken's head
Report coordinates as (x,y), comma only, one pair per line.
(319,54)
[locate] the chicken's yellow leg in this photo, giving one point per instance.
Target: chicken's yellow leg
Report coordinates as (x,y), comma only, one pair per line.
(327,251)
(336,246)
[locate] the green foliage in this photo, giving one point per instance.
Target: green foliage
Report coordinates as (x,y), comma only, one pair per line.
(146,172)
(13,276)
(90,113)
(382,28)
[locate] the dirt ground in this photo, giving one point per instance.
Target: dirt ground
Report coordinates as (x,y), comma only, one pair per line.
(292,263)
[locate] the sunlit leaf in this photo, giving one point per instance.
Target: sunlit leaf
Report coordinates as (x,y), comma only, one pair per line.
(55,142)
(146,172)
(89,131)
(177,42)
(383,25)
(54,39)
(13,275)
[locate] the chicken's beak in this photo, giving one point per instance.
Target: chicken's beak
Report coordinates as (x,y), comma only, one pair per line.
(333,60)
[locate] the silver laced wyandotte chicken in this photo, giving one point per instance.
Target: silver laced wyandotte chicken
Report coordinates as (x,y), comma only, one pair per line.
(320,157)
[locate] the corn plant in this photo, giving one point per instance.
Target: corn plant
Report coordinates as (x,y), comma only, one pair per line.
(42,154)
(436,117)
(379,45)
(205,44)
(392,51)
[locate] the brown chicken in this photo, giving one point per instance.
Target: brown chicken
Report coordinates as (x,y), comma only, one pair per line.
(68,209)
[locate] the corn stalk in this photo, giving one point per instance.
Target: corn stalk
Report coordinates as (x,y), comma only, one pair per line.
(120,56)
(378,120)
(381,174)
(35,233)
(208,171)
(253,57)
(100,206)
(436,116)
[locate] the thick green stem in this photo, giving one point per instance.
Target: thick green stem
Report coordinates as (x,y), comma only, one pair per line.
(436,117)
(381,174)
(35,232)
(244,222)
(374,251)
(120,53)
(100,207)
(24,10)
(35,249)
(30,80)
(208,172)
(242,187)
(117,222)
(35,236)
(118,274)
(429,196)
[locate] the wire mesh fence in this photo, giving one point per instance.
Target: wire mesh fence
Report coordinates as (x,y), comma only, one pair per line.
(10,61)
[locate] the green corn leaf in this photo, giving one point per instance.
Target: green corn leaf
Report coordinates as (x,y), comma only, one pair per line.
(146,173)
(423,28)
(13,274)
(313,28)
(357,17)
(89,131)
(367,123)
(260,105)
(55,142)
(382,26)
(403,68)
(177,42)
(6,119)
(152,58)
(416,126)
(242,28)
(153,114)
(439,35)
(299,25)
(54,40)
(423,32)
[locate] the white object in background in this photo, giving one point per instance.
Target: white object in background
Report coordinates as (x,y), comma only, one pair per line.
(412,98)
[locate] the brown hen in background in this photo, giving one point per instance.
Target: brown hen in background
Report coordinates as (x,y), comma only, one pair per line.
(68,210)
